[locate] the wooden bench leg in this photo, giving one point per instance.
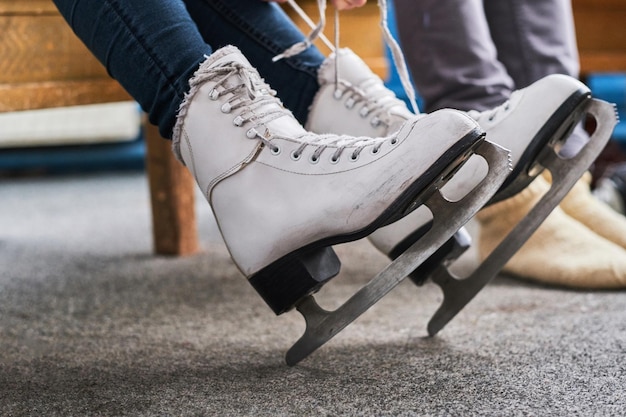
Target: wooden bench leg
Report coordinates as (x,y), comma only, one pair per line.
(172,197)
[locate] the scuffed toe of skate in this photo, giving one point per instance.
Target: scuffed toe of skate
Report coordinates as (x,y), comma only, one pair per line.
(561,252)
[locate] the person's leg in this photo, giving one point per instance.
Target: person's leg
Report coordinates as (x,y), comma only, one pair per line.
(454,63)
(261,31)
(452,58)
(550,244)
(281,196)
(153,48)
(136,42)
(456,33)
(534,38)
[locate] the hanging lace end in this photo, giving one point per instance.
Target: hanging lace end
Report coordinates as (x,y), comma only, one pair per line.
(398,57)
(293,50)
(305,17)
(308,42)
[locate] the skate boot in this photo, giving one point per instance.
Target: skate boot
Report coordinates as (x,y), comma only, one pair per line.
(530,122)
(352,100)
(533,124)
(282,196)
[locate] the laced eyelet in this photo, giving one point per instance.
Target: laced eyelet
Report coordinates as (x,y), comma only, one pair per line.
(314,159)
(214,94)
(354,157)
(364,112)
(490,118)
(295,156)
(274,150)
(350,103)
(225,108)
(375,150)
(334,159)
(337,94)
(393,141)
(251,133)
(238,121)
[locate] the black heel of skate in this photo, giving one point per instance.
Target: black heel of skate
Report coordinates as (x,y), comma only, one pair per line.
(285,282)
(451,250)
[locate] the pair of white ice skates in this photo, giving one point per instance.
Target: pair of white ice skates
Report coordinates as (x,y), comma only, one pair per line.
(282,196)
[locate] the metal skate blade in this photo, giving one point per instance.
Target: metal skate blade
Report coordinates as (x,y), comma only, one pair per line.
(322,325)
(565,173)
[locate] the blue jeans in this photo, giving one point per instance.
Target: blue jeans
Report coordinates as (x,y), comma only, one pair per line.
(153,47)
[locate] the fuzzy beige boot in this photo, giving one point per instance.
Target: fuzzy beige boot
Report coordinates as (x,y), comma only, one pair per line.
(562,251)
(593,213)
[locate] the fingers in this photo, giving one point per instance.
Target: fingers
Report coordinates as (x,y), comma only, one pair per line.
(348,4)
(339,4)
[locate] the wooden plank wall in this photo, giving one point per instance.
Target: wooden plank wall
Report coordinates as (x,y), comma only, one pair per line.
(43,63)
(40,54)
(601,34)
(600,29)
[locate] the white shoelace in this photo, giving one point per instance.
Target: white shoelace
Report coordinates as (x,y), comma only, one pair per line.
(378,100)
(340,143)
(259,105)
(250,95)
(317,32)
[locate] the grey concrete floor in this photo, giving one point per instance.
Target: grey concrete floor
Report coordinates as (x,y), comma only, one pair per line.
(92,323)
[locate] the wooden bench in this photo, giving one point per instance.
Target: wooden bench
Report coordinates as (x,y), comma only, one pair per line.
(44,65)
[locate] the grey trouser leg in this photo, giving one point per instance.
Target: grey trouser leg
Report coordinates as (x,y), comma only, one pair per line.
(453,60)
(470,54)
(534,38)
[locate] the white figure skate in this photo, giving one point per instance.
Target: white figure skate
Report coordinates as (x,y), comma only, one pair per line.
(282,196)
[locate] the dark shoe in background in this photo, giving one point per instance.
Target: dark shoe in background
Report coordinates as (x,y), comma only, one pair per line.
(611,187)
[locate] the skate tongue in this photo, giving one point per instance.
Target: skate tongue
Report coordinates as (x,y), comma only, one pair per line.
(353,71)
(351,68)
(227,54)
(230,56)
